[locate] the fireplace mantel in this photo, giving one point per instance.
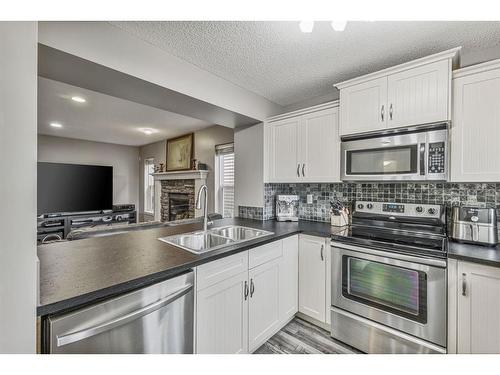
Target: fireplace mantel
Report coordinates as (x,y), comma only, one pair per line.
(181,175)
(199,177)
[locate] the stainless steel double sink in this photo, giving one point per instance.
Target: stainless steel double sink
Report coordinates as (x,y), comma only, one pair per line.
(216,238)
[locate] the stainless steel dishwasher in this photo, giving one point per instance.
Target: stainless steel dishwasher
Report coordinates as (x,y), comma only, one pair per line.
(155,319)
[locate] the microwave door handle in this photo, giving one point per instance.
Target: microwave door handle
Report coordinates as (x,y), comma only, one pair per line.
(421,151)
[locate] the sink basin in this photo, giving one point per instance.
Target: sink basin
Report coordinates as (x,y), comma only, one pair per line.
(197,242)
(201,242)
(238,233)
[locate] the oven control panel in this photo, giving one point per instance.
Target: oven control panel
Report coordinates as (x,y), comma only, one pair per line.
(399,209)
(436,157)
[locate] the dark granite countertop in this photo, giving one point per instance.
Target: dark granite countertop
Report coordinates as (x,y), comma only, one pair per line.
(77,273)
(488,255)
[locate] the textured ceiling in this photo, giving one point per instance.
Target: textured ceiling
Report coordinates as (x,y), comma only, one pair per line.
(286,66)
(105,118)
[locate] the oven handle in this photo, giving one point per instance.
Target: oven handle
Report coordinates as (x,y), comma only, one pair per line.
(409,258)
(421,150)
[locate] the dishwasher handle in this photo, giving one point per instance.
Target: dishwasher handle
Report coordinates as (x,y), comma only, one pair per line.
(95,330)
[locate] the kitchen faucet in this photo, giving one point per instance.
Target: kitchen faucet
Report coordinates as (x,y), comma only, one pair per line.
(203,188)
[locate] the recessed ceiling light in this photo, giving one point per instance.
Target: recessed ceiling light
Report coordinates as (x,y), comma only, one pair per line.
(306,26)
(78,99)
(55,125)
(339,25)
(148,131)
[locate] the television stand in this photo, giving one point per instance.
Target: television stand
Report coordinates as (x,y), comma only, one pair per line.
(54,227)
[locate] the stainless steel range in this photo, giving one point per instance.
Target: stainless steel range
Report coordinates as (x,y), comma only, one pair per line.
(389,279)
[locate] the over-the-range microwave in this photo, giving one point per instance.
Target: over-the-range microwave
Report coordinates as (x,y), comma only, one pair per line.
(417,153)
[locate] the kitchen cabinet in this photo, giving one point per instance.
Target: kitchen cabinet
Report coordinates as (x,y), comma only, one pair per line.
(245,298)
(222,317)
(414,93)
(363,107)
(475,131)
(264,314)
(303,146)
(478,302)
(289,279)
(312,277)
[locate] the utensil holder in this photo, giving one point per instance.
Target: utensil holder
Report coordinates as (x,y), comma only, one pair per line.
(341,220)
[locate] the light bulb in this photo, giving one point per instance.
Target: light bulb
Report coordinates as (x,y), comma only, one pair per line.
(339,25)
(306,26)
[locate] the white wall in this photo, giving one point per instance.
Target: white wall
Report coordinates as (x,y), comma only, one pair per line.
(204,152)
(18,111)
(249,166)
(123,159)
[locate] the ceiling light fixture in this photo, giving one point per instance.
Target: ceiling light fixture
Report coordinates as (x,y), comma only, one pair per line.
(78,99)
(339,25)
(306,26)
(148,131)
(55,125)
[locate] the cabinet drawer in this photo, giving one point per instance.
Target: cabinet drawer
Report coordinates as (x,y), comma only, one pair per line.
(265,253)
(218,270)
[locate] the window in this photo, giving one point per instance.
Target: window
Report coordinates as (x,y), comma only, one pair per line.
(149,186)
(224,177)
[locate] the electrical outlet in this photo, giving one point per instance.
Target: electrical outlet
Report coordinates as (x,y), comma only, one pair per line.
(309,198)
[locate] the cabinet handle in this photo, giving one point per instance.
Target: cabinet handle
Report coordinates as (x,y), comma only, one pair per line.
(382,112)
(252,287)
(390,112)
(246,290)
(321,252)
(298,170)
(464,285)
(303,166)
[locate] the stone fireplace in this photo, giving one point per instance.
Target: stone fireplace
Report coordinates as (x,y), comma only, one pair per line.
(175,194)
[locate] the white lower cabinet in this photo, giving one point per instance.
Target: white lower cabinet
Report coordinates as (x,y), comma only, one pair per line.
(313,267)
(222,317)
(478,302)
(238,313)
(264,314)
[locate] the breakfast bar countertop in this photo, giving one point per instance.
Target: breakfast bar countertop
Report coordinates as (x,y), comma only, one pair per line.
(78,273)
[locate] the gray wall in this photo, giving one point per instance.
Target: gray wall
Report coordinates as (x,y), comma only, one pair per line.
(123,159)
(18,111)
(204,151)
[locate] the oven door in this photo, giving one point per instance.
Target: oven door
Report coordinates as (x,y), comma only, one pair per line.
(393,157)
(407,293)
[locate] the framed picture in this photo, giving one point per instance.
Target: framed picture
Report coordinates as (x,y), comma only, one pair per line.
(180,152)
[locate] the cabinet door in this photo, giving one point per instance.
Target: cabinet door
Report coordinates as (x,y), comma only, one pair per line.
(222,317)
(264,319)
(312,277)
(419,95)
(478,321)
(363,107)
(284,163)
(475,131)
(289,278)
(319,146)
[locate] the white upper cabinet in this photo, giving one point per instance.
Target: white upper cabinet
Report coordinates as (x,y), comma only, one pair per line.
(475,132)
(284,156)
(363,107)
(303,146)
(414,93)
(478,323)
(319,146)
(419,95)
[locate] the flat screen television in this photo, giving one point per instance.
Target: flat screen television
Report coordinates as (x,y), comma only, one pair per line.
(73,188)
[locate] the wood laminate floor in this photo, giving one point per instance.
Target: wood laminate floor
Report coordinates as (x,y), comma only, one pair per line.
(301,337)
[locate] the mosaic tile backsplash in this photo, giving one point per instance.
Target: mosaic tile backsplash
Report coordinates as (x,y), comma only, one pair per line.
(450,194)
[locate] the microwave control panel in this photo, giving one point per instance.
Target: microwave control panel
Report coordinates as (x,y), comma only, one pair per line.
(436,157)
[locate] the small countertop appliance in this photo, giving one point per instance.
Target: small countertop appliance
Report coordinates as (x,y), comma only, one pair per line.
(287,208)
(474,225)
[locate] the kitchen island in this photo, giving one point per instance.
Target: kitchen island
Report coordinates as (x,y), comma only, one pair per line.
(78,273)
